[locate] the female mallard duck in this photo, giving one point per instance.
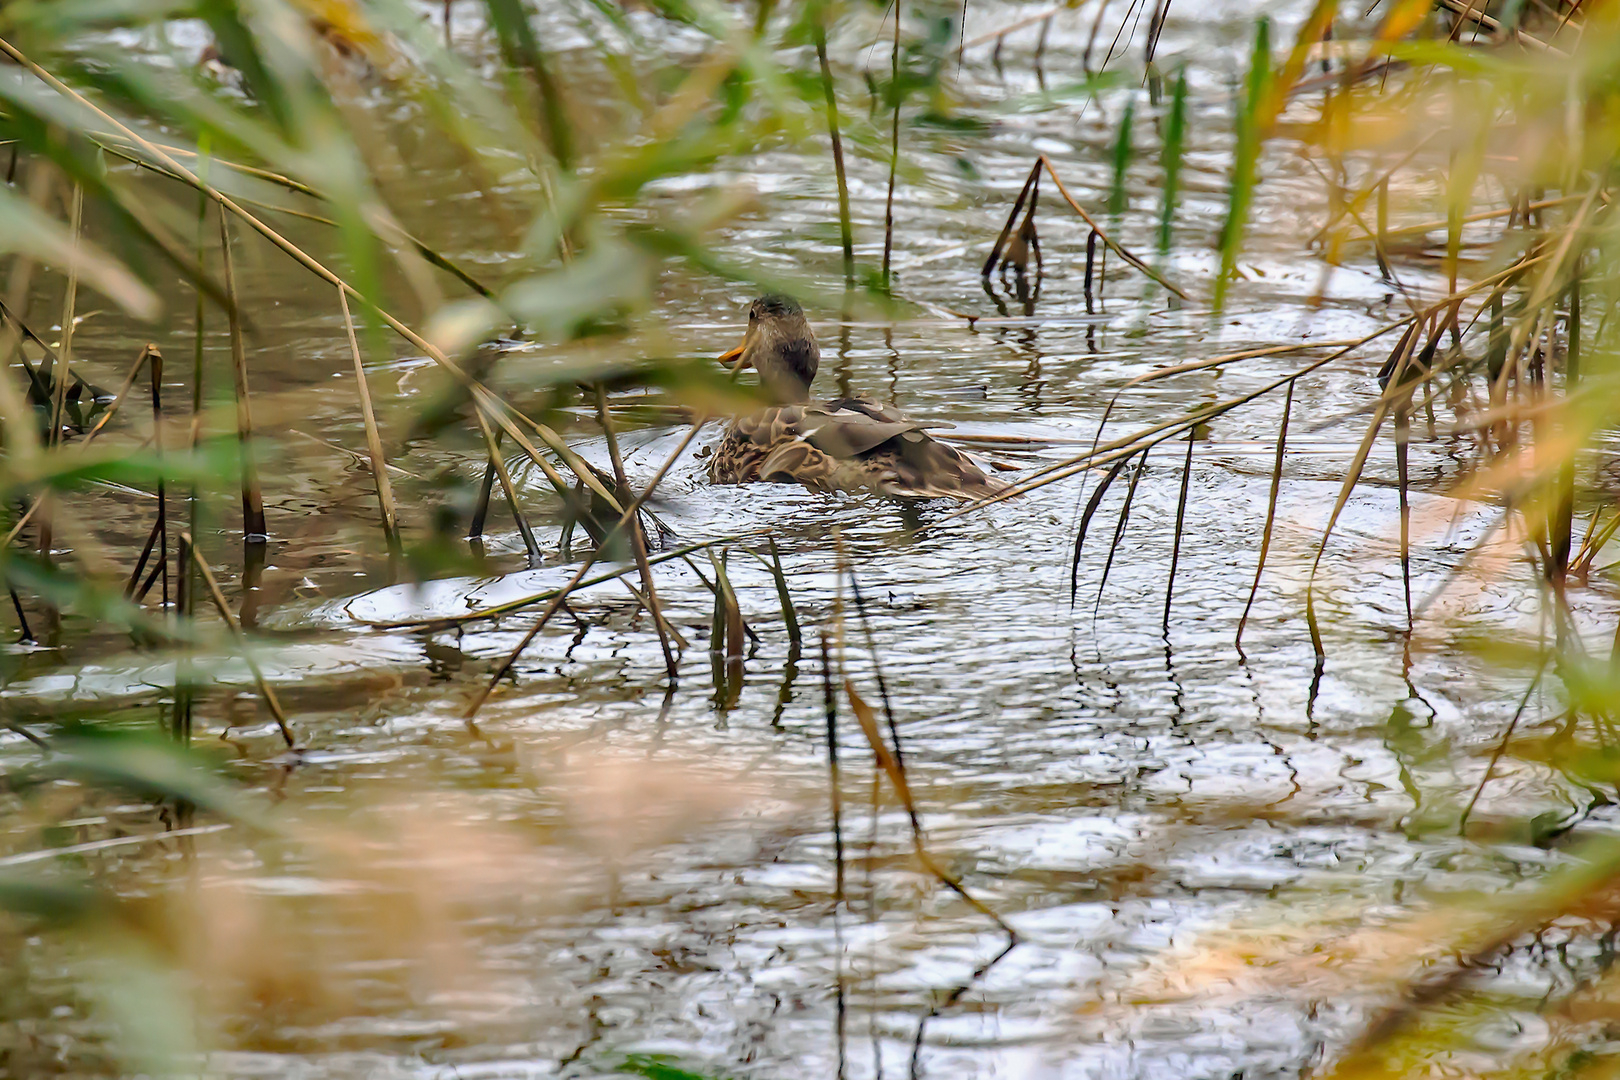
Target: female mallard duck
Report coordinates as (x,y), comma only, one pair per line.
(850,444)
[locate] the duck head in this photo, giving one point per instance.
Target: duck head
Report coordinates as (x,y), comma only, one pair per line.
(779,345)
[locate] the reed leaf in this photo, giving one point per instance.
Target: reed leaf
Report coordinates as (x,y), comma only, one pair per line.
(1170,158)
(1245,156)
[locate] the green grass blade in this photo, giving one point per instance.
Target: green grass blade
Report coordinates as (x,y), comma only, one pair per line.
(1122,162)
(1175,137)
(1247,153)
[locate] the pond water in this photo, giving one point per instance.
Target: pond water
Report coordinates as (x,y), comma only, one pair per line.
(620,864)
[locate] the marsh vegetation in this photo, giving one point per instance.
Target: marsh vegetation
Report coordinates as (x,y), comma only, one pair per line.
(388,693)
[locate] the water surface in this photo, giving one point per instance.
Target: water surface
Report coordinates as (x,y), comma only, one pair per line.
(650,864)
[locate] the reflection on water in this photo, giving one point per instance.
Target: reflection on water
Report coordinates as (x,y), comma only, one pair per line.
(1118,783)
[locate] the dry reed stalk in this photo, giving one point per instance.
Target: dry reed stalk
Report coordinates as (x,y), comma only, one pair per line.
(185,670)
(253,525)
(133,586)
(1120,523)
(70,298)
(374,446)
(1595,543)
(61,369)
(498,463)
(24,631)
(1181,517)
(1150,436)
(1143,267)
(1384,233)
(1401,358)
(1403,439)
(729,614)
(496,466)
(498,410)
(1562,522)
(645,604)
(1550,280)
(1161,11)
(835,797)
(1091,38)
(997,35)
(475,527)
(562,594)
(391,229)
(891,761)
(1271,515)
(638,536)
(271,702)
(1030,182)
(154,371)
(1502,745)
(1091,260)
(497,610)
(1118,449)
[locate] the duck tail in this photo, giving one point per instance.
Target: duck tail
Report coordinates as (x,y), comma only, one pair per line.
(928,469)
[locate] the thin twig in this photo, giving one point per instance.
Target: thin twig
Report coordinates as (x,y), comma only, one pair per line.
(253,525)
(1271,514)
(269,694)
(894,147)
(1181,517)
(829,93)
(638,537)
(374,446)
(551,609)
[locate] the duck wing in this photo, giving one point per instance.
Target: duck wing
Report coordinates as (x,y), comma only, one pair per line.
(854,427)
(848,444)
(771,427)
(771,445)
(916,466)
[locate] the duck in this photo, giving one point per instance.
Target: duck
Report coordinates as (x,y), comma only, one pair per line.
(851,444)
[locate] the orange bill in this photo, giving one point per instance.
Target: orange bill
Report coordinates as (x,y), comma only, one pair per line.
(732,356)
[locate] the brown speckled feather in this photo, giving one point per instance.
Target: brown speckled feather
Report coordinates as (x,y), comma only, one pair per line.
(851,444)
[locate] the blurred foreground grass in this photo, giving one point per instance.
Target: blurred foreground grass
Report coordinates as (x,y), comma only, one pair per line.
(139,166)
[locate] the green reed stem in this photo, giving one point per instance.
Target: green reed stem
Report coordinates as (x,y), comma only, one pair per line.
(894,147)
(1244,158)
(1175,136)
(845,230)
(1122,163)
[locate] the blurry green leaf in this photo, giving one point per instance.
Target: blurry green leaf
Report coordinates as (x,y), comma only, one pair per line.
(108,464)
(239,47)
(1062,94)
(65,589)
(25,230)
(1122,163)
(661,1067)
(609,281)
(60,18)
(1245,156)
(522,50)
(149,766)
(1175,134)
(149,1003)
(959,125)
(49,897)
